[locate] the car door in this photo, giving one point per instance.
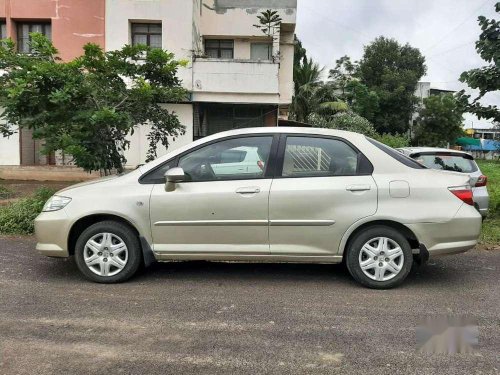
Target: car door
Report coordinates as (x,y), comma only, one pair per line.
(323,185)
(216,210)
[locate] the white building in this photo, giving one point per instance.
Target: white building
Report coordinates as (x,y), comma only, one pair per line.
(237,76)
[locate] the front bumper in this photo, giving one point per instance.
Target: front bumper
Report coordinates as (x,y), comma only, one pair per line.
(51,230)
(455,236)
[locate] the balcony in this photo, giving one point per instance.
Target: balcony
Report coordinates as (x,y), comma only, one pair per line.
(245,81)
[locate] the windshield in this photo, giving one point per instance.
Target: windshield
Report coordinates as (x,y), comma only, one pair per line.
(447,162)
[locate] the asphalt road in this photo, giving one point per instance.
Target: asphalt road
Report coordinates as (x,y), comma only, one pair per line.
(220,318)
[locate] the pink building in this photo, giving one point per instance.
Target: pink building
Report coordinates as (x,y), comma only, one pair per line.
(69,23)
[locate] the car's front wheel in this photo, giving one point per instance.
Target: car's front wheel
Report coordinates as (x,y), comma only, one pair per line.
(379,257)
(108,252)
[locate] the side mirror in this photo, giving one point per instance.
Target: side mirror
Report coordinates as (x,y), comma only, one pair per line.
(173,176)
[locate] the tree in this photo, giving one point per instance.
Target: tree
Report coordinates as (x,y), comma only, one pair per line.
(351,91)
(392,71)
(312,95)
(348,121)
(343,73)
(300,52)
(393,140)
(269,23)
(87,107)
(307,79)
(487,78)
(439,122)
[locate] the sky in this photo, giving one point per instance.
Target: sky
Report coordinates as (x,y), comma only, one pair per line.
(445,31)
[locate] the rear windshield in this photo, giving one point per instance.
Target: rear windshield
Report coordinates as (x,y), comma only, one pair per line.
(409,162)
(447,162)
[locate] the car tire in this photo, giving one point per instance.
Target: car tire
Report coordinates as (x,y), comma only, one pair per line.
(379,257)
(108,252)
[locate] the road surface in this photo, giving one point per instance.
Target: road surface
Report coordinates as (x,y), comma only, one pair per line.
(222,318)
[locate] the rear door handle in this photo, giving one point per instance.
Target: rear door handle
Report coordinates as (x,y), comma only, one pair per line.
(358,187)
(248,190)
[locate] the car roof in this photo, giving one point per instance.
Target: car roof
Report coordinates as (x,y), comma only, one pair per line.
(414,150)
(288,129)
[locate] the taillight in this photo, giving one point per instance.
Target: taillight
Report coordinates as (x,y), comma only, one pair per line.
(463,193)
(481,181)
(260,163)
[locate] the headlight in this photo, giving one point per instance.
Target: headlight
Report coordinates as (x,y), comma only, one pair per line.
(56,203)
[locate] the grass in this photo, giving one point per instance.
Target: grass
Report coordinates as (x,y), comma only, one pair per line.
(491,226)
(18,217)
(5,192)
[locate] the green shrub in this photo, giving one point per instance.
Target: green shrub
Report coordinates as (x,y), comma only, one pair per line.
(18,217)
(491,169)
(5,192)
(491,226)
(348,121)
(394,141)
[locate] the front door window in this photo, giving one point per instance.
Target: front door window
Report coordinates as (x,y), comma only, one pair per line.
(231,159)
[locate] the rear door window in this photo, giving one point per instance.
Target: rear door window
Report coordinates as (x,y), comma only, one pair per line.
(307,156)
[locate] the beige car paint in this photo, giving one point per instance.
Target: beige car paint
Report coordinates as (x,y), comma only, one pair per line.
(211,220)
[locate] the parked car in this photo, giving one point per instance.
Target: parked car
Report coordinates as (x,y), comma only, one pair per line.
(317,196)
(456,161)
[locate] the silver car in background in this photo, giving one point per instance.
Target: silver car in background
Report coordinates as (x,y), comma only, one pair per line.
(266,195)
(455,161)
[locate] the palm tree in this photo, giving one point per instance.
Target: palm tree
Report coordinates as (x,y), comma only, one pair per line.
(307,78)
(312,95)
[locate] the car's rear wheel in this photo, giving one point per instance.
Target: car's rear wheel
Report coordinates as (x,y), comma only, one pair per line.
(379,257)
(108,252)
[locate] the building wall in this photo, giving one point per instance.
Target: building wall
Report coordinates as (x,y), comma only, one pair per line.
(74,22)
(9,150)
(214,79)
(287,49)
(177,21)
(137,152)
(236,19)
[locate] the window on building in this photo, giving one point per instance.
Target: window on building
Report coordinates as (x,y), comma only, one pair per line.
(219,48)
(261,51)
(3,30)
(149,34)
(23,34)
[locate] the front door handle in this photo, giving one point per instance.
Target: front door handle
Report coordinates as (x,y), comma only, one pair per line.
(248,190)
(358,187)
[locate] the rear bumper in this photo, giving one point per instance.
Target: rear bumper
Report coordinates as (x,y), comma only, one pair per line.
(481,200)
(455,236)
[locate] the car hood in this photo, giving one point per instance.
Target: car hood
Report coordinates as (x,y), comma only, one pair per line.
(87,183)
